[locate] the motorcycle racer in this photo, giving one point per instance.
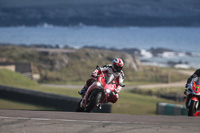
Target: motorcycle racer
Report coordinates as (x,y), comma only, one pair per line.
(195,74)
(116,69)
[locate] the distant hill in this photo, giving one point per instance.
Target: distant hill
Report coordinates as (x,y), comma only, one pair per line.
(66,65)
(100,12)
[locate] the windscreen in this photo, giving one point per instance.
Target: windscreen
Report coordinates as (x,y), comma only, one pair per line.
(197,80)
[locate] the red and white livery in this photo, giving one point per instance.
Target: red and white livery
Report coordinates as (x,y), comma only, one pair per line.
(103,87)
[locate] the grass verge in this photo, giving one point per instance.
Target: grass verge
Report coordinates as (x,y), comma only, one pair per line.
(137,104)
(7,104)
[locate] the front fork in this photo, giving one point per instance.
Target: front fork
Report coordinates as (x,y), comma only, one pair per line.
(189,99)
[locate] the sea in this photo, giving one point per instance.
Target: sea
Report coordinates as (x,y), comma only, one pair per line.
(182,40)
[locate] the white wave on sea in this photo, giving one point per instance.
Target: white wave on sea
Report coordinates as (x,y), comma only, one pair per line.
(165,54)
(171,54)
(145,54)
(170,58)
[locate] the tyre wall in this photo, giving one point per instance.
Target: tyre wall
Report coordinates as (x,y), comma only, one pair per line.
(170,109)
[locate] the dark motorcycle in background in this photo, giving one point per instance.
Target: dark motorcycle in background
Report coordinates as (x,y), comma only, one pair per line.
(193,96)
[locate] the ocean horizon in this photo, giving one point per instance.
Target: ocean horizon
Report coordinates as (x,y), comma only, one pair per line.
(180,39)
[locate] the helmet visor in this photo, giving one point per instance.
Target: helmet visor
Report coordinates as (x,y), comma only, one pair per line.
(117,68)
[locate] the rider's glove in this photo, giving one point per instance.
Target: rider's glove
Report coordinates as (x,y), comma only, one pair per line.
(94,75)
(185,91)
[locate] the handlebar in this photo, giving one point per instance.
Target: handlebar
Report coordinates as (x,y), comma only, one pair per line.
(98,68)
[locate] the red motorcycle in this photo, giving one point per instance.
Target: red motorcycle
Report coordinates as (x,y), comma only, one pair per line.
(101,91)
(193,96)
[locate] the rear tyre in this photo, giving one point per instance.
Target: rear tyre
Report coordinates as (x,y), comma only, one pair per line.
(192,108)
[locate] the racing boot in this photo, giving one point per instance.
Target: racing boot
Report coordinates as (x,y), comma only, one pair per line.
(82,91)
(81,103)
(99,106)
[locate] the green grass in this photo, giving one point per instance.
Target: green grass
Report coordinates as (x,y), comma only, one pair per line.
(7,104)
(16,79)
(60,91)
(130,103)
(159,91)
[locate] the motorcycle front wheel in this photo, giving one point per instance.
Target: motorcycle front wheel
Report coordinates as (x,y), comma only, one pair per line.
(93,100)
(192,108)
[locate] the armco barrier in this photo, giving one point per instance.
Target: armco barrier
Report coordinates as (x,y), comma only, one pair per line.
(58,102)
(170,109)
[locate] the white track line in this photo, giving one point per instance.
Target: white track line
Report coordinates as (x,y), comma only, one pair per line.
(68,120)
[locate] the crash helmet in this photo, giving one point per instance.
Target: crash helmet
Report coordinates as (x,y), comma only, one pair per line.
(117,65)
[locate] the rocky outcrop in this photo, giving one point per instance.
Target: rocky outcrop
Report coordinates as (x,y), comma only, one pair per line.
(132,62)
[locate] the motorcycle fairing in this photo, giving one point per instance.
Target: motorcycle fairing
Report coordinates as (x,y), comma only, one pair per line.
(194,98)
(196,85)
(102,80)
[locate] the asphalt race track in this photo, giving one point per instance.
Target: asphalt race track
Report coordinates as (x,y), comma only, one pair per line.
(23,121)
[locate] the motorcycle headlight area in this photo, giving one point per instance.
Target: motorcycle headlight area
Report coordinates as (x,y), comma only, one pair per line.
(108,91)
(99,84)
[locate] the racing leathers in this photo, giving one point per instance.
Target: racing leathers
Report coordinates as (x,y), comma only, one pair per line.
(108,71)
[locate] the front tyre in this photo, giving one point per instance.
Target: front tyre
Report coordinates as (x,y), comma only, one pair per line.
(192,108)
(93,100)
